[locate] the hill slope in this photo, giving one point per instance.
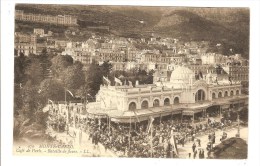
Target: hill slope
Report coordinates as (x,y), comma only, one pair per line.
(228,26)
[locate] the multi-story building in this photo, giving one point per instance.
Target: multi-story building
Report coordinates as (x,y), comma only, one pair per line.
(60,44)
(150,57)
(25,44)
(204,69)
(181,95)
(213,58)
(84,57)
(25,48)
(133,54)
(60,19)
(237,72)
(111,55)
(24,38)
(38,31)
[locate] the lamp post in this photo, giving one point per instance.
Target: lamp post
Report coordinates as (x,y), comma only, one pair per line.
(238,126)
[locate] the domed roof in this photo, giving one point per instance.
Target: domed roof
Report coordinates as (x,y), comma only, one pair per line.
(181,74)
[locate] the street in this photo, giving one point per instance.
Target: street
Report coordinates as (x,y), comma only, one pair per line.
(184,151)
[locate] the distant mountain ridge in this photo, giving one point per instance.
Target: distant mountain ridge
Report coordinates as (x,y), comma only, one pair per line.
(229,26)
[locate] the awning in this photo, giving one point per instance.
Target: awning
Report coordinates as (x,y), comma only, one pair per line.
(191,112)
(188,113)
(225,106)
(96,115)
(142,115)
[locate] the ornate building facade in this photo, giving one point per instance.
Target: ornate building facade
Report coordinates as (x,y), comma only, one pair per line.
(183,94)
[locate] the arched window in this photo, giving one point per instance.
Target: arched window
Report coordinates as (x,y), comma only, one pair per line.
(144,104)
(167,101)
(200,95)
(176,100)
(213,95)
(231,93)
(219,94)
(132,106)
(237,92)
(226,94)
(156,103)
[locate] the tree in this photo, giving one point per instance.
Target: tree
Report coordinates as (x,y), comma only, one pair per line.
(73,77)
(106,68)
(52,89)
(94,77)
(34,71)
(243,114)
(59,63)
(20,64)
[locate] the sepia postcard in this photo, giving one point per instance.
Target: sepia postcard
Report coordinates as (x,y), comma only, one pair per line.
(131,81)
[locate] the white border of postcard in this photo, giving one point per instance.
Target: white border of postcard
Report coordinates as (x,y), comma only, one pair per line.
(7,45)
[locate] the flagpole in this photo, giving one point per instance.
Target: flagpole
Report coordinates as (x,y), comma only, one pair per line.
(109,124)
(130,134)
(160,122)
(151,141)
(65,97)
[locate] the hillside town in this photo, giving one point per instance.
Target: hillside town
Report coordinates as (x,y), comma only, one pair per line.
(163,54)
(148,97)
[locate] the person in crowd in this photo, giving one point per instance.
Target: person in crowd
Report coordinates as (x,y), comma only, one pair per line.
(195,154)
(198,140)
(193,147)
(202,154)
(117,138)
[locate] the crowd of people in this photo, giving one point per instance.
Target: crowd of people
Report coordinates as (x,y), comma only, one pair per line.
(125,140)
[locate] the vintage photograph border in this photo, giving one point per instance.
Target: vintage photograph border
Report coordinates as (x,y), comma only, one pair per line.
(7,45)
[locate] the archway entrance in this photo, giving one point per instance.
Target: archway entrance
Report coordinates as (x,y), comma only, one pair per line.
(144,104)
(213,95)
(176,100)
(167,101)
(200,95)
(226,94)
(156,103)
(132,106)
(219,94)
(237,92)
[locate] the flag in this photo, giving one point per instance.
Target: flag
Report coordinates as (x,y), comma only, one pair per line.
(173,142)
(200,74)
(106,80)
(118,81)
(136,116)
(70,93)
(150,124)
(229,78)
(91,97)
(50,101)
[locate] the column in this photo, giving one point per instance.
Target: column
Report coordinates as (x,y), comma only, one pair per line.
(220,111)
(193,119)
